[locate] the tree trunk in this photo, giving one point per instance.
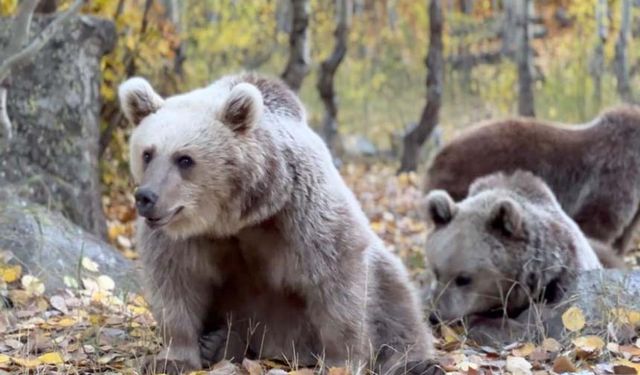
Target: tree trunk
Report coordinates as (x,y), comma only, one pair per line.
(328,70)
(597,64)
(174,14)
(526,104)
(621,61)
(299,54)
(415,138)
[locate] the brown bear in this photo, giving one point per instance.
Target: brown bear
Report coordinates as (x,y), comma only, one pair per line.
(252,244)
(593,169)
(506,246)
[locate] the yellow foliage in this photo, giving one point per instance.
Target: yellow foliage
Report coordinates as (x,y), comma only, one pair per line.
(53,358)
(573,319)
(10,273)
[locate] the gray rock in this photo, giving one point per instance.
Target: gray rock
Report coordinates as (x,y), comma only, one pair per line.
(54,104)
(50,247)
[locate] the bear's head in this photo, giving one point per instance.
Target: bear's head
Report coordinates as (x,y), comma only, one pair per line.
(498,250)
(187,151)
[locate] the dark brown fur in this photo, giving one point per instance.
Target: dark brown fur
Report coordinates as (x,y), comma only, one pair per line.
(594,170)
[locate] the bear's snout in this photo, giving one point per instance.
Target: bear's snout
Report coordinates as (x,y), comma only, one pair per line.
(145,201)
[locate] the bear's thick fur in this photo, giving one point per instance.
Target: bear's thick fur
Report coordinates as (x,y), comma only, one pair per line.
(506,246)
(593,169)
(251,242)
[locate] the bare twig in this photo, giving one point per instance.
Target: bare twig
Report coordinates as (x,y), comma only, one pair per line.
(38,42)
(20,27)
(4,116)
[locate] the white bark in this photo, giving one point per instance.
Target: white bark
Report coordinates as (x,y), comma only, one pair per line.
(621,58)
(4,115)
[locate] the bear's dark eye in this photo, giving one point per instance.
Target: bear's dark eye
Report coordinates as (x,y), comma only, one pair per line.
(146,157)
(185,162)
(462,280)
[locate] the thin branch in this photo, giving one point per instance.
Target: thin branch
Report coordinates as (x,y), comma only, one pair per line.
(38,42)
(4,116)
(20,26)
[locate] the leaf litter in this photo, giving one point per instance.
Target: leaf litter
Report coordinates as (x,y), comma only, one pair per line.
(90,328)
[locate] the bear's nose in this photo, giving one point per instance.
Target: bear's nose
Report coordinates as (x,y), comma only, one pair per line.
(145,200)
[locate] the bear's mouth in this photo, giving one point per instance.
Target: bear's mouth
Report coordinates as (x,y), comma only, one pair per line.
(157,222)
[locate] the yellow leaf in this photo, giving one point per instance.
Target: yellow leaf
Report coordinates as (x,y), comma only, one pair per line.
(551,345)
(10,273)
(53,358)
(89,264)
(4,358)
(626,316)
(448,334)
(573,319)
(524,350)
(589,343)
(26,362)
(66,321)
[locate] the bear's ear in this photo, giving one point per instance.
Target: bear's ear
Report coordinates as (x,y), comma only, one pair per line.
(138,99)
(243,108)
(506,217)
(440,207)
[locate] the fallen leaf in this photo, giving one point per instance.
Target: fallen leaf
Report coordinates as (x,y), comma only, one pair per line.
(70,282)
(89,264)
(518,366)
(573,319)
(10,273)
(105,283)
(53,358)
(624,366)
(339,371)
(588,346)
(551,345)
(4,358)
(624,370)
(524,350)
(302,371)
(563,364)
(26,362)
(252,367)
(626,316)
(629,349)
(32,285)
(58,303)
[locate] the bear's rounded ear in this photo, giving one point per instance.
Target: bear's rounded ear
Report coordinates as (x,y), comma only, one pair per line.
(506,217)
(243,108)
(440,207)
(138,99)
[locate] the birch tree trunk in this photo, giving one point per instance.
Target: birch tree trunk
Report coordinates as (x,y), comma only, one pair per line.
(299,52)
(621,58)
(526,100)
(415,138)
(597,64)
(328,68)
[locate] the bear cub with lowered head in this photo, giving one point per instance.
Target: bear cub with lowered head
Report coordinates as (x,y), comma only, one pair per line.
(507,245)
(252,244)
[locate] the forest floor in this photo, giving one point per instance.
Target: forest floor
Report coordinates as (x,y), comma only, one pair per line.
(92,329)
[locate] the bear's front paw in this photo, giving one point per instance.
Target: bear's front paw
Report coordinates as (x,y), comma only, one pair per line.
(159,365)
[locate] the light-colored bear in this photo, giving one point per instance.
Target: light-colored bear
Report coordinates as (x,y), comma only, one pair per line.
(507,246)
(252,243)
